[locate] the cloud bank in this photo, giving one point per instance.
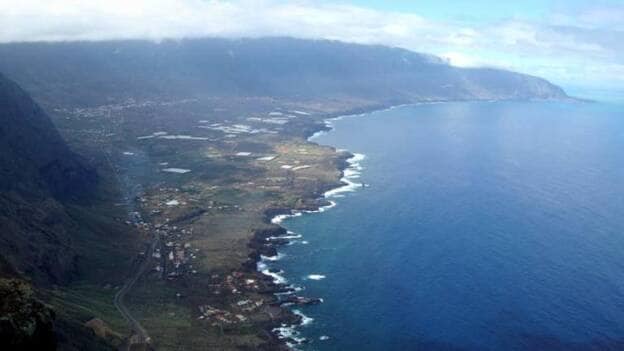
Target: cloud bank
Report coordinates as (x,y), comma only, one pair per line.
(585,45)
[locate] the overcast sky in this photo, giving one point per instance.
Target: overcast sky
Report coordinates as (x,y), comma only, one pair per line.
(569,42)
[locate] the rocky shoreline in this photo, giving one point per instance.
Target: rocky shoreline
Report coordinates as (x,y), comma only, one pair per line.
(266,242)
(214,236)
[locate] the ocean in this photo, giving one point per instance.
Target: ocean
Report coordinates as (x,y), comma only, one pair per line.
(472,226)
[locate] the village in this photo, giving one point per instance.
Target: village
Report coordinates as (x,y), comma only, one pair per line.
(174,257)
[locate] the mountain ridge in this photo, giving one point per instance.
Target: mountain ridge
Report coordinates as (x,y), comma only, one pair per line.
(278,67)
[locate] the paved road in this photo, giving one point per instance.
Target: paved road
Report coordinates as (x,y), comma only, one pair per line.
(119,296)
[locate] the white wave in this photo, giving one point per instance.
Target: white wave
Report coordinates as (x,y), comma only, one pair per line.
(278,257)
(356,158)
(316,276)
(347,188)
(332,204)
(277,278)
(322,208)
(350,173)
(317,134)
(287,237)
(279,218)
(323,337)
(176,170)
(285,331)
(305,320)
(289,332)
(289,292)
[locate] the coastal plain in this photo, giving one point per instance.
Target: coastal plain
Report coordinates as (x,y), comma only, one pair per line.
(202,180)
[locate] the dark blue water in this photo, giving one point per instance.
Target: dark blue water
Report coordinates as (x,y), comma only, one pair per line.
(486,226)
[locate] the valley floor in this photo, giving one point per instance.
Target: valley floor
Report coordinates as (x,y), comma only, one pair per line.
(199,181)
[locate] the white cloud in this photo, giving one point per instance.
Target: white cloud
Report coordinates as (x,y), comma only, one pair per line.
(522,45)
(460,59)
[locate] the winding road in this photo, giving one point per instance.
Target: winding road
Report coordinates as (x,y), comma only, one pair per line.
(118,300)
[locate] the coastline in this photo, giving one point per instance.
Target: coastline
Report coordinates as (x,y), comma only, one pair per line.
(226,265)
(290,332)
(214,242)
(267,245)
(278,220)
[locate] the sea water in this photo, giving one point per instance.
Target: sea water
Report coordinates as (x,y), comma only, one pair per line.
(479,226)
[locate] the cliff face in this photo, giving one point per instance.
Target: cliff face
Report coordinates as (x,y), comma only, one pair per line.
(35,159)
(92,73)
(38,174)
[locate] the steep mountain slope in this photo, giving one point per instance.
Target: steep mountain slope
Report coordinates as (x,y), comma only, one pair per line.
(56,227)
(37,171)
(96,72)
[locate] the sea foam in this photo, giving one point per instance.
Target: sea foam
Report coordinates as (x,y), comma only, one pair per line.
(262,267)
(350,173)
(277,257)
(305,320)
